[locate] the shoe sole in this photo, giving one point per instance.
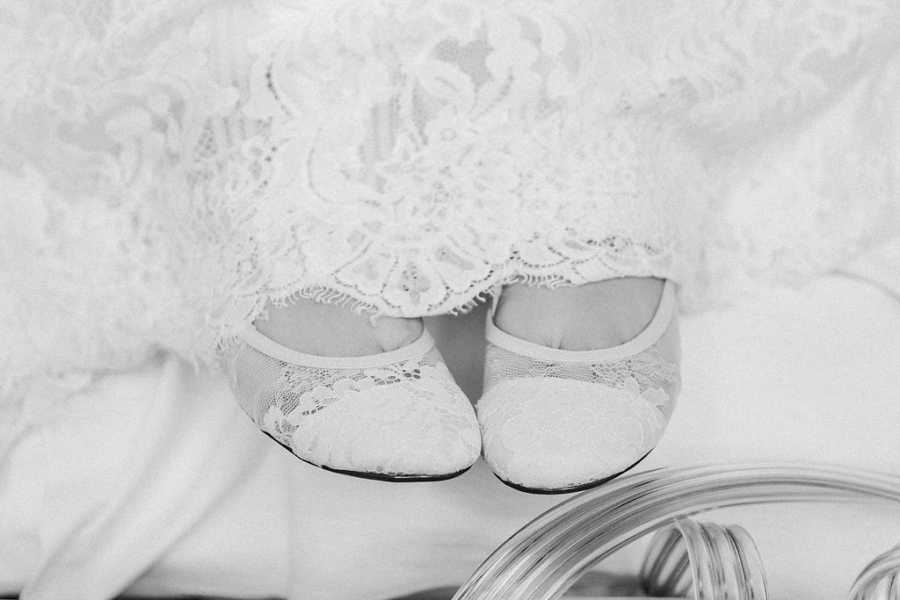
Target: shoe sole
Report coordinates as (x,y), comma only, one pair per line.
(372,475)
(570,490)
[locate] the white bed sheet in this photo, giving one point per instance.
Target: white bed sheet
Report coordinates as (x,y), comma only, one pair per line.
(155,482)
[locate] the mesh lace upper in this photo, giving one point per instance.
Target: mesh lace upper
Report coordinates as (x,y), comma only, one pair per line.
(405,417)
(554,420)
(650,369)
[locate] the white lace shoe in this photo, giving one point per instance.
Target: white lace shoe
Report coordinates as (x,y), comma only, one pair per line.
(557,421)
(395,416)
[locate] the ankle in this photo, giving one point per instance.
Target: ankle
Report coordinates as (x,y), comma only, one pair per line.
(591,316)
(391,333)
(330,330)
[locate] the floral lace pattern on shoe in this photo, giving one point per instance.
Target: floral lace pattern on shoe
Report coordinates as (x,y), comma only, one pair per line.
(649,372)
(402,418)
(557,420)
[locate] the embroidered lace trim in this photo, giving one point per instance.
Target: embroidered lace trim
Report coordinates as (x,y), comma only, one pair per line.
(649,369)
(168,168)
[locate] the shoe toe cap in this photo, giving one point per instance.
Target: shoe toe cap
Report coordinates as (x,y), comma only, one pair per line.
(399,430)
(554,433)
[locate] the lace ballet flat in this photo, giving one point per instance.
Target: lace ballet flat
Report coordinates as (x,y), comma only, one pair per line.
(560,421)
(394,416)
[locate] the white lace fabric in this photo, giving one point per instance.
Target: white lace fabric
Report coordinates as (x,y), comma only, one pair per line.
(555,419)
(642,373)
(398,416)
(170,168)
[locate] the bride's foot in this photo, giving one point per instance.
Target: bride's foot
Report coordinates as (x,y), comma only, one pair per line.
(580,382)
(374,401)
(330,330)
(596,315)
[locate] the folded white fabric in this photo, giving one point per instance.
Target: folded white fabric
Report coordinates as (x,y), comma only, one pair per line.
(879,267)
(104,474)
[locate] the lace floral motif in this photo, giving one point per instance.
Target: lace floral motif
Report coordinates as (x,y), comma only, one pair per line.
(297,392)
(648,369)
(101,247)
(169,168)
(328,416)
(558,424)
(441,148)
(551,432)
(447,177)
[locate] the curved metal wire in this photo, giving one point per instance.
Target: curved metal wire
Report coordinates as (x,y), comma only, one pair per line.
(703,561)
(880,580)
(544,558)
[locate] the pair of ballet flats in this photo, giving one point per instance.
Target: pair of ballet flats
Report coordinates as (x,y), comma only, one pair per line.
(548,421)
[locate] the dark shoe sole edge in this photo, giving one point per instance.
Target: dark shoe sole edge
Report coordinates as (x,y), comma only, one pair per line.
(571,490)
(371,474)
